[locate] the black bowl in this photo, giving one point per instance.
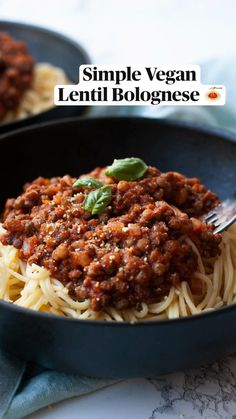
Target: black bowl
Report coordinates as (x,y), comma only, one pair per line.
(108,349)
(48,47)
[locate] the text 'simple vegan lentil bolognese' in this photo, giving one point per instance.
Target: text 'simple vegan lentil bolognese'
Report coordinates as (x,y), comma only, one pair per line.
(125,242)
(26,87)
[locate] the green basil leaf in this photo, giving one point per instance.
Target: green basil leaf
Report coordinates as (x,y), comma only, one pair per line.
(96,201)
(127,169)
(87,182)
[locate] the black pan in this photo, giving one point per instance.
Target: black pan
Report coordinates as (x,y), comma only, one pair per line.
(112,349)
(47,46)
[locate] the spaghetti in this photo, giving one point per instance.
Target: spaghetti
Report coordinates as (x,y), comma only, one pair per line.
(40,97)
(125,243)
(32,286)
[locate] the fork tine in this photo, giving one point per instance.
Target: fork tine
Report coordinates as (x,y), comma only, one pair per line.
(221,220)
(225,225)
(223,216)
(211,217)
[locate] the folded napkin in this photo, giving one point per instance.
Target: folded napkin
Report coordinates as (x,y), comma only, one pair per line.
(27,388)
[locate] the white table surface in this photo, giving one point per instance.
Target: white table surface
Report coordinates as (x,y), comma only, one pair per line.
(145,32)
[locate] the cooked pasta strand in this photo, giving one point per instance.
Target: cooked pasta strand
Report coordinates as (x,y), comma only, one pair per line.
(40,97)
(31,286)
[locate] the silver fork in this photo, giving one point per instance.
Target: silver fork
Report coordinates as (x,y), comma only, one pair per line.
(223,216)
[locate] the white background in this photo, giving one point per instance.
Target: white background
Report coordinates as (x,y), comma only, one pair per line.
(137,31)
(134,32)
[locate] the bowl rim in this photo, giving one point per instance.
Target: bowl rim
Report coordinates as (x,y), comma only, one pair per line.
(223,134)
(46,31)
(200,128)
(50,32)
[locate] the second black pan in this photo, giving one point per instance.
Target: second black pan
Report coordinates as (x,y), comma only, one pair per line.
(112,349)
(47,46)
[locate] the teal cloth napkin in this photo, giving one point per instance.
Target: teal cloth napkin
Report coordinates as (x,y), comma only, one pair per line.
(26,388)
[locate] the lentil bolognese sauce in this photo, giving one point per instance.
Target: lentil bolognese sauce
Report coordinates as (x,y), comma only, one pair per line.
(16,73)
(120,243)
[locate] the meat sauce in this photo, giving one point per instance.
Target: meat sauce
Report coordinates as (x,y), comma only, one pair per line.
(16,73)
(132,252)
